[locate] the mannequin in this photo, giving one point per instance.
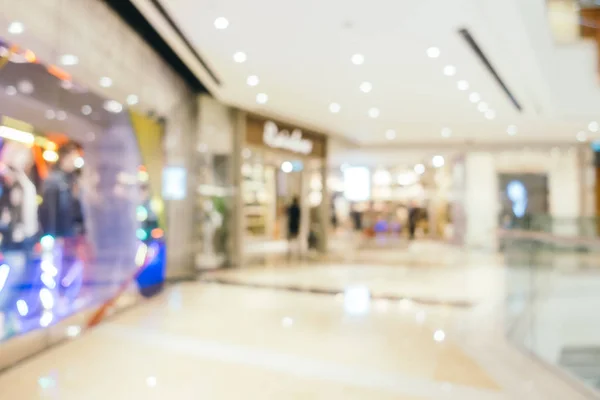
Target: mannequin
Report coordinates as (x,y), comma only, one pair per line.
(18,215)
(18,203)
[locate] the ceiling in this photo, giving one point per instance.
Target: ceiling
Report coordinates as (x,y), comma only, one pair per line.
(302,51)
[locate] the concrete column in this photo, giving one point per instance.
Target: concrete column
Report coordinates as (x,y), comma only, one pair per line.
(564,181)
(180,151)
(481,201)
(324,210)
(237,210)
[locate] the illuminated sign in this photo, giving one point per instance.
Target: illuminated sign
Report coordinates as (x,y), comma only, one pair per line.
(174,185)
(283,139)
(357,183)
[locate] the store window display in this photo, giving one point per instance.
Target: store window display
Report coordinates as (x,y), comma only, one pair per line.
(74,198)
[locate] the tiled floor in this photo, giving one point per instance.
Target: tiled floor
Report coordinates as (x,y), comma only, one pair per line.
(251,341)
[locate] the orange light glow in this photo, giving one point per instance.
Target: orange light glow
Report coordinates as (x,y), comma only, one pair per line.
(30,56)
(157,233)
(59,73)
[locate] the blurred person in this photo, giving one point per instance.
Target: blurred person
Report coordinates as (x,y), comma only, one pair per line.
(293,223)
(413,220)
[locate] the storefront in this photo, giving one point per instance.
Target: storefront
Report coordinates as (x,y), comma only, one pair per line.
(93,175)
(281,163)
(378,200)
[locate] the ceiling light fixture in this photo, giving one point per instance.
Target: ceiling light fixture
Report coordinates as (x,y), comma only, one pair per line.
(10,90)
(113,106)
(252,80)
(25,87)
(106,82)
(419,169)
(490,114)
(50,114)
(86,110)
(446,132)
(594,126)
(390,134)
(61,115)
(69,60)
(462,85)
(221,23)
(262,98)
(358,59)
(449,70)
(512,130)
(437,161)
(474,97)
(132,99)
(16,28)
(581,136)
(483,107)
(366,87)
(67,85)
(373,112)
(433,52)
(240,57)
(335,108)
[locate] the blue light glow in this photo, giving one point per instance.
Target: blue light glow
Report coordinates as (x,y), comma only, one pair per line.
(47,242)
(517,194)
(141,234)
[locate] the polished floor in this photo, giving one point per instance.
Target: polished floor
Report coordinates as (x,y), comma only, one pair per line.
(345,330)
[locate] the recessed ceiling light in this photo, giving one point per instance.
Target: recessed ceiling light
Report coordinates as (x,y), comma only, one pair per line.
(474,97)
(594,126)
(449,70)
(462,85)
(419,169)
(10,90)
(433,52)
(25,87)
(50,114)
(66,84)
(438,161)
(221,23)
(113,106)
(61,115)
(68,60)
(512,130)
(106,82)
(16,28)
(262,98)
(86,110)
(366,87)
(490,114)
(335,108)
(373,112)
(446,132)
(390,134)
(132,99)
(483,107)
(239,57)
(581,136)
(252,80)
(358,59)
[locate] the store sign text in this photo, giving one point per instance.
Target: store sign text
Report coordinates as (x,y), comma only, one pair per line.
(283,139)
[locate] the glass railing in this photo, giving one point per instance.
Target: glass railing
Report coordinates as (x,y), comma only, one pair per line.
(553,293)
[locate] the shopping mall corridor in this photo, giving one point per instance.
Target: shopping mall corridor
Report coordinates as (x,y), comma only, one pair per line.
(405,329)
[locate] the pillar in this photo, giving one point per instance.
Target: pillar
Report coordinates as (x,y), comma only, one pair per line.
(481,201)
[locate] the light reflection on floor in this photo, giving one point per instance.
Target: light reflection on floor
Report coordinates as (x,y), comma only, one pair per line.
(208,340)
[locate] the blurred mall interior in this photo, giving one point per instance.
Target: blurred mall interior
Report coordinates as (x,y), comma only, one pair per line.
(299,200)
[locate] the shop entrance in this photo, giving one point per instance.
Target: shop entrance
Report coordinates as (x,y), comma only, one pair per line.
(276,172)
